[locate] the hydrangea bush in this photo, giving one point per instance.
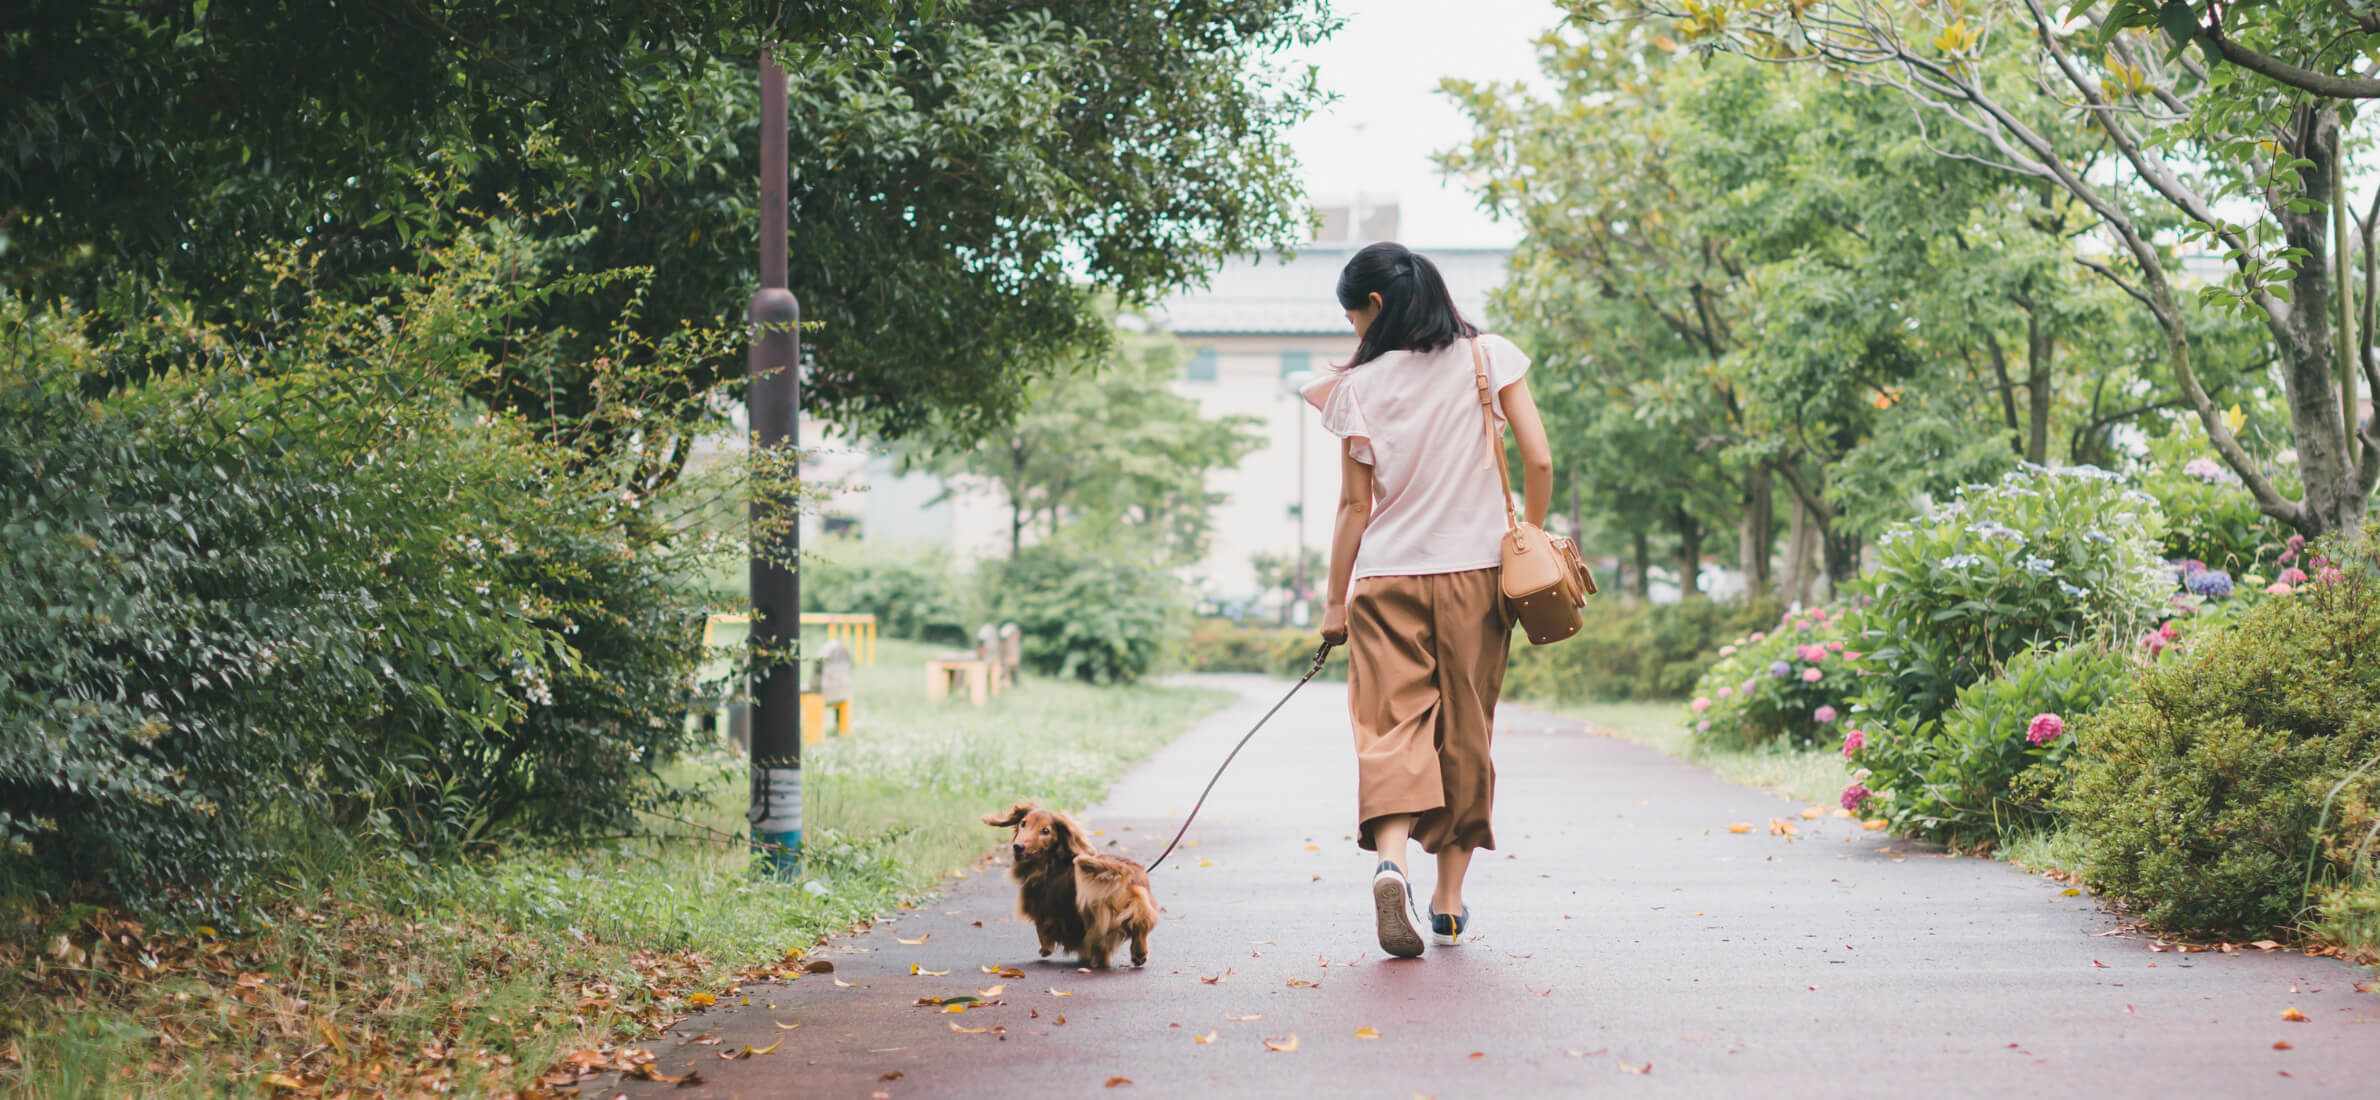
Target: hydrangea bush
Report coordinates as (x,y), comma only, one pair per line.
(1985,768)
(1792,682)
(2041,557)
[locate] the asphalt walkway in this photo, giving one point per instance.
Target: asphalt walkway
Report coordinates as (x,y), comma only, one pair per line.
(1628,944)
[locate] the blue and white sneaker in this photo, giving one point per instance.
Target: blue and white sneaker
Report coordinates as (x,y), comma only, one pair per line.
(1392,904)
(1448,930)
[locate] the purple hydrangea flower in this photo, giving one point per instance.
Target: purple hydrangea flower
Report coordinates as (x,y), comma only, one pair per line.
(2044,728)
(2209,582)
(1780,670)
(1853,795)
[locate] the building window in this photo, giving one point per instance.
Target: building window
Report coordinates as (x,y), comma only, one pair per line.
(1202,366)
(1294,361)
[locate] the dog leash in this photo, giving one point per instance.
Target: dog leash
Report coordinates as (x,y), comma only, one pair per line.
(1320,655)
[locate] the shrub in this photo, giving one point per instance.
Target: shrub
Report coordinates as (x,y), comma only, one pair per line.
(2202,792)
(1218,645)
(1102,614)
(1970,775)
(914,593)
(2209,515)
(2042,557)
(1793,681)
(1633,652)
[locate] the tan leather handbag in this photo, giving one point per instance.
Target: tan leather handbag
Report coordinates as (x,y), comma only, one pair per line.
(1544,581)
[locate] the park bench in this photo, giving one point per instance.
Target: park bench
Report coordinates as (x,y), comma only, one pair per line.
(827,685)
(985,671)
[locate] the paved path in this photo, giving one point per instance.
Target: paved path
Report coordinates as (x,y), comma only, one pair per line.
(1629,945)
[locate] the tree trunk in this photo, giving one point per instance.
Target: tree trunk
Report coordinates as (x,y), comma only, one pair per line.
(1842,561)
(2334,500)
(2039,346)
(1797,554)
(1578,519)
(2342,283)
(2007,387)
(1757,531)
(1641,583)
(1689,553)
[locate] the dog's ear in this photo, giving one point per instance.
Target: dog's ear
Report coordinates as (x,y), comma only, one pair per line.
(1010,819)
(1076,838)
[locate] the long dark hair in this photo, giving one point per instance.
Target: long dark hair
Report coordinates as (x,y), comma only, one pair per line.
(1416,312)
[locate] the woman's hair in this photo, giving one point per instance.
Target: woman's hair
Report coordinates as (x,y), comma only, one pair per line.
(1416,312)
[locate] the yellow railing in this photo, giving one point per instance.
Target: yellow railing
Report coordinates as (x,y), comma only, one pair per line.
(856,632)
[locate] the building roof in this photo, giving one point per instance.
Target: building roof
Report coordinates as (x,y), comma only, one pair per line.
(1275,295)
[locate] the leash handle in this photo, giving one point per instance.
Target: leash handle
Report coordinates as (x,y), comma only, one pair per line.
(1321,656)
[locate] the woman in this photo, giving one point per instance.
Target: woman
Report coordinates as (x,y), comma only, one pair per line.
(1413,573)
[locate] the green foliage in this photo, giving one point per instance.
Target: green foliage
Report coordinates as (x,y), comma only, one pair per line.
(1217,645)
(250,601)
(2210,518)
(914,593)
(2227,780)
(968,179)
(1630,653)
(1103,612)
(1963,778)
(2042,557)
(1762,688)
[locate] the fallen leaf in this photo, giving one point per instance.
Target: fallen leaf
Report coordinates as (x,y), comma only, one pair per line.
(2069,892)
(282,1081)
(818,966)
(1778,826)
(1740,827)
(1301,983)
(990,968)
(918,940)
(920,971)
(2264,945)
(1217,979)
(1009,972)
(1631,1067)
(1054,992)
(1206,863)
(1872,824)
(890,1075)
(988,994)
(786,1027)
(1206,1038)
(2098,964)
(1478,1055)
(841,984)
(2292,1015)
(954,1026)
(735,1055)
(937,1002)
(1282,1045)
(1246,1018)
(701,999)
(1366,1033)
(1114,1081)
(2282,1044)
(1812,813)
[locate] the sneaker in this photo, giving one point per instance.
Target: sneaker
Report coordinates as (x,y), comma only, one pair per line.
(1446,930)
(1392,904)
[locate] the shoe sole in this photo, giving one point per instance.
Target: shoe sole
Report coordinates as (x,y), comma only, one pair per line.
(1455,940)
(1397,936)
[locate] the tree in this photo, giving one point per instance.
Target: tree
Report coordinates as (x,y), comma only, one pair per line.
(1107,445)
(969,178)
(2251,165)
(1282,572)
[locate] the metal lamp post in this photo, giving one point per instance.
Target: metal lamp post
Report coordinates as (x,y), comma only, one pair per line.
(774,402)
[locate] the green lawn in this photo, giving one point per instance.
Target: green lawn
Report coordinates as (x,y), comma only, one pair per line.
(1807,775)
(379,973)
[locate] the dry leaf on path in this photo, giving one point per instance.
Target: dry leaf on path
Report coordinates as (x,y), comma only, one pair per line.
(786,1027)
(988,994)
(1209,1037)
(1366,1033)
(704,1000)
(2282,1044)
(954,1026)
(1872,824)
(918,940)
(1812,813)
(1740,827)
(1054,992)
(2292,1015)
(1301,983)
(1115,1081)
(1631,1067)
(1244,1019)
(841,984)
(922,972)
(1778,826)
(1282,1045)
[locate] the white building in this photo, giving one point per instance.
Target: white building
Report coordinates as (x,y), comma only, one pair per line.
(1258,324)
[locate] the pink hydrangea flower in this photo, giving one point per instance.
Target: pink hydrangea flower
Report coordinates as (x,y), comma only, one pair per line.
(1851,655)
(1760,637)
(1700,704)
(2297,542)
(1823,715)
(2330,575)
(2292,575)
(1749,683)
(2169,632)
(2278,588)
(1834,647)
(1703,726)
(1812,676)
(2044,728)
(1853,741)
(1853,795)
(2154,641)
(1811,653)
(1726,651)
(2288,556)
(1725,692)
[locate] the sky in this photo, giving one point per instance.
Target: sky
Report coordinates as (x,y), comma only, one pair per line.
(1377,139)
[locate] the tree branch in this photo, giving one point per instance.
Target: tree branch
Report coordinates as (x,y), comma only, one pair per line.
(2304,80)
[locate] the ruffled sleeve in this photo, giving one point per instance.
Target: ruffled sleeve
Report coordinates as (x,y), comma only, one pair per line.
(1506,364)
(1333,392)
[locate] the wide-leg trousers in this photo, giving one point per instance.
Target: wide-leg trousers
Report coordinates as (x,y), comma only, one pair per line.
(1425,663)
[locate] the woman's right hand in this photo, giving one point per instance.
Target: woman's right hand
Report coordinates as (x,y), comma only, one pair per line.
(1334,624)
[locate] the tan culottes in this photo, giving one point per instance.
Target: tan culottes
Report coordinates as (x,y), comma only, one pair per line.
(1425,661)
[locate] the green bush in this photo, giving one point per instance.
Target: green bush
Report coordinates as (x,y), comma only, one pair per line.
(2210,518)
(1633,652)
(1971,775)
(2041,557)
(1105,614)
(1793,681)
(1219,645)
(914,593)
(2202,792)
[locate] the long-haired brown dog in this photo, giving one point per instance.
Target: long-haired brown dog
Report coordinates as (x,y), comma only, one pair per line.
(1076,898)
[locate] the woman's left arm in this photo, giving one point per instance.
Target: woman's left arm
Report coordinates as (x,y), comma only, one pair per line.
(1537,456)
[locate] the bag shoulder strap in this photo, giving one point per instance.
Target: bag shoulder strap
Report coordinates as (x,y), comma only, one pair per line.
(1495,439)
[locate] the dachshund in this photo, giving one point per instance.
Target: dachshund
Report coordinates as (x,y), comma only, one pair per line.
(1077,899)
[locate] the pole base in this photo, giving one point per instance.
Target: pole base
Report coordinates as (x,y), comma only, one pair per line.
(777,856)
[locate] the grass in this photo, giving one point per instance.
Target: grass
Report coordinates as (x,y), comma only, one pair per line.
(1806,775)
(378,975)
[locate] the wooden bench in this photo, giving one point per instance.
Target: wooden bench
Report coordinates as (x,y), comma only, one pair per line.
(980,670)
